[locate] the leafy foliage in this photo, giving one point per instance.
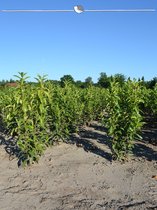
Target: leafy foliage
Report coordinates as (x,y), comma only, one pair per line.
(38,114)
(125,119)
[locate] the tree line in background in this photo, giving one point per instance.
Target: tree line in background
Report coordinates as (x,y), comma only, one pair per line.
(103,81)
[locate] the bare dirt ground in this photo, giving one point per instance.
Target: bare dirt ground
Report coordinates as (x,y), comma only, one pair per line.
(81,177)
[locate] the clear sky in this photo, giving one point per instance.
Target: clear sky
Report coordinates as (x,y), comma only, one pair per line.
(81,45)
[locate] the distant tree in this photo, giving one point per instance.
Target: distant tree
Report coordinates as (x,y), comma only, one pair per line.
(151,83)
(3,82)
(120,78)
(143,78)
(67,78)
(80,84)
(103,80)
(142,81)
(55,82)
(12,81)
(88,81)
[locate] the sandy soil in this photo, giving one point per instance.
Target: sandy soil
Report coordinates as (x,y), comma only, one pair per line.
(81,177)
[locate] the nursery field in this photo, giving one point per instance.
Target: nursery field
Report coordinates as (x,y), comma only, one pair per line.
(66,147)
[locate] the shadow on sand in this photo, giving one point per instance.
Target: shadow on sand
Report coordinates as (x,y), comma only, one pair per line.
(89,146)
(93,139)
(88,139)
(10,146)
(144,151)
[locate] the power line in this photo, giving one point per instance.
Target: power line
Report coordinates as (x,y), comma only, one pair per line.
(77,9)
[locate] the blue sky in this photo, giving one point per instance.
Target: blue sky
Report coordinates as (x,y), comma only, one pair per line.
(81,45)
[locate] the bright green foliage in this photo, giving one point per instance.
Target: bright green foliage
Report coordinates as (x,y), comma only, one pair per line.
(149,104)
(124,120)
(64,110)
(41,113)
(25,117)
(151,100)
(155,100)
(94,100)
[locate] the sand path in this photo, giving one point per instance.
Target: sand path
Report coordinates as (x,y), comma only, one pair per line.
(71,177)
